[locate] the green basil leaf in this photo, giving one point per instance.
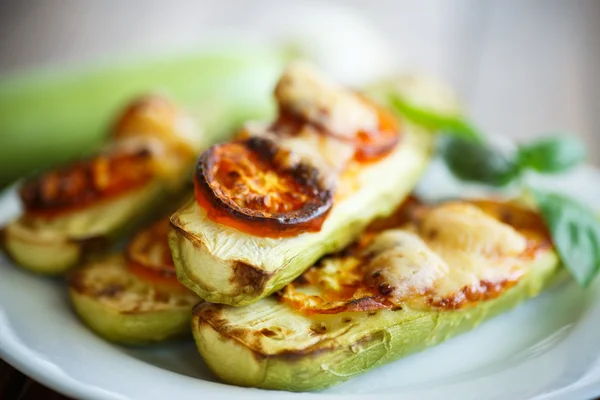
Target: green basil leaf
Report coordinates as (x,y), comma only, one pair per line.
(575,232)
(552,154)
(449,124)
(478,162)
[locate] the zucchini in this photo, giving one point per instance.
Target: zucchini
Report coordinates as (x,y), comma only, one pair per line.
(276,344)
(79,209)
(122,308)
(51,247)
(223,264)
(51,116)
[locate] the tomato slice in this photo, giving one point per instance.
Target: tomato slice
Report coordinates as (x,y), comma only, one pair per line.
(369,145)
(149,257)
(86,182)
(256,187)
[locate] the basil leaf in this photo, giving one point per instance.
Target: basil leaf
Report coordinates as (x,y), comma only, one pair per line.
(552,154)
(575,232)
(478,162)
(449,124)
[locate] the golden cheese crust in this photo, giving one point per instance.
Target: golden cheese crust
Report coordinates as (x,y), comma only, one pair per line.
(449,256)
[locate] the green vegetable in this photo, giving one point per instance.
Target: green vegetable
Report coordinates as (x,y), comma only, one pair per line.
(574,228)
(552,154)
(270,345)
(575,232)
(135,312)
(449,124)
(53,116)
(255,267)
(478,162)
(483,163)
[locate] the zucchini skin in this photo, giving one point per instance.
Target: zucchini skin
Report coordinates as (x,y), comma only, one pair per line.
(45,257)
(123,324)
(257,267)
(134,329)
(380,338)
(54,252)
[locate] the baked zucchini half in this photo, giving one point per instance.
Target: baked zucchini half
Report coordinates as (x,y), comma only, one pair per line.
(79,208)
(393,293)
(273,202)
(134,298)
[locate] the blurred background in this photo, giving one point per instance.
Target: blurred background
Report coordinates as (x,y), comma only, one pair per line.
(522,68)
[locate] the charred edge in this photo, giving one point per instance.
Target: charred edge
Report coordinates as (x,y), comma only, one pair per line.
(301,281)
(75,281)
(209,315)
(68,196)
(110,291)
(306,175)
(92,244)
(188,236)
(469,296)
(247,279)
(365,304)
(317,350)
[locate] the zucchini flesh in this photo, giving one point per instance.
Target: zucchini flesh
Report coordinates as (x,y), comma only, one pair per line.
(434,273)
(52,247)
(224,265)
(121,308)
(269,345)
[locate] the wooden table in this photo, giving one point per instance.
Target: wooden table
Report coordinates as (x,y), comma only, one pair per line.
(16,386)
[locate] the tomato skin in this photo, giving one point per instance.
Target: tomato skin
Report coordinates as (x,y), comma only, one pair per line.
(149,258)
(155,278)
(249,186)
(370,146)
(84,183)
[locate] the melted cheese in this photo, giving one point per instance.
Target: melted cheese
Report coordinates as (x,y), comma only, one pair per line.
(403,264)
(324,152)
(465,227)
(457,246)
(304,92)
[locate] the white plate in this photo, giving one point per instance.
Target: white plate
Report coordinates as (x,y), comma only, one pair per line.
(547,348)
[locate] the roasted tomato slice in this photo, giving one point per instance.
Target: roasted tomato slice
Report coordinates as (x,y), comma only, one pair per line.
(86,182)
(256,187)
(148,256)
(371,145)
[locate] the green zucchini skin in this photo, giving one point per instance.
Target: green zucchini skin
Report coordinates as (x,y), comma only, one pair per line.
(352,343)
(210,265)
(55,247)
(120,308)
(51,116)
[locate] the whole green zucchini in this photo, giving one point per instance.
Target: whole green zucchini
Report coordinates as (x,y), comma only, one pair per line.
(51,116)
